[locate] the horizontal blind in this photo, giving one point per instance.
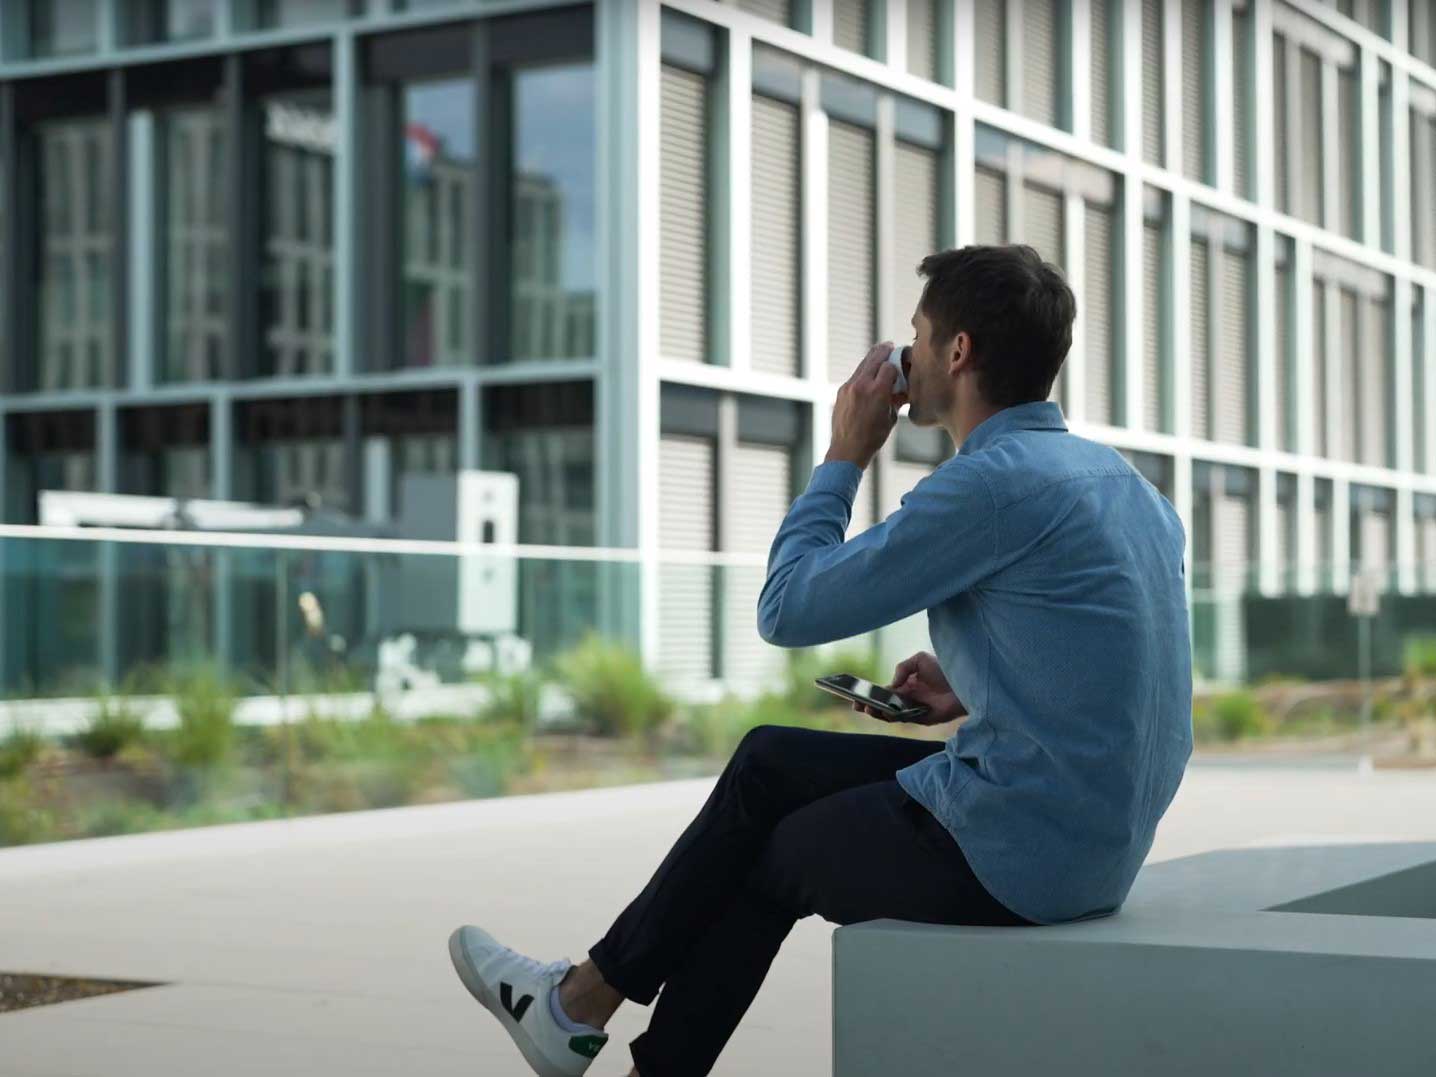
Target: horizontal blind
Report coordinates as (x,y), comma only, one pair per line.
(1281,145)
(1286,427)
(851,244)
(1198,344)
(1040,60)
(762,485)
(1375,540)
(991,207)
(1153,399)
(989,51)
(1421,30)
(1100,72)
(780,11)
(1319,443)
(1194,54)
(685,522)
(1243,105)
(1233,363)
(1428,548)
(1421,426)
(776,229)
(1347,151)
(1097,313)
(1311,134)
(1349,383)
(850,25)
(922,38)
(683,202)
(1153,123)
(1042,227)
(1321,520)
(1285,546)
(915,236)
(1376,382)
(864,505)
(1232,543)
(1423,188)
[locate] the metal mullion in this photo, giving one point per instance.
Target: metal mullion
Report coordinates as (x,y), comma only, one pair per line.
(242,223)
(348,254)
(1222,61)
(119,230)
(1264,103)
(1077,42)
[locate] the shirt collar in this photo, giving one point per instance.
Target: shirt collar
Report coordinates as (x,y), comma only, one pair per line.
(1034,415)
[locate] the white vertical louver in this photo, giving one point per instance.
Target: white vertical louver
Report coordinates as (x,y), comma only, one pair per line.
(1319,444)
(762,481)
(1375,382)
(922,38)
(1153,404)
(1285,548)
(915,231)
(776,233)
(851,245)
(683,205)
(1100,72)
(1232,545)
(989,49)
(1199,343)
(1153,123)
(1321,521)
(1423,188)
(1097,313)
(1194,54)
(1349,384)
(685,522)
(1309,172)
(1231,373)
(850,25)
(1041,62)
(991,207)
(780,11)
(1375,541)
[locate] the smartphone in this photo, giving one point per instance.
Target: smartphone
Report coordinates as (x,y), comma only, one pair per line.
(890,704)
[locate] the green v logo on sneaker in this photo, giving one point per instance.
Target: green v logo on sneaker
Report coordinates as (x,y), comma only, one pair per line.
(506,997)
(588,1045)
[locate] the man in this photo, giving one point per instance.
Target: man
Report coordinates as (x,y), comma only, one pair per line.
(1051,573)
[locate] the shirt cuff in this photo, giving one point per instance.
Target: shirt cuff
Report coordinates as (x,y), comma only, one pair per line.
(839,477)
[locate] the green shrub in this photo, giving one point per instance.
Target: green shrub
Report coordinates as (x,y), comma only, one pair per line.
(514,697)
(377,735)
(21,823)
(1418,655)
(611,690)
(18,750)
(1232,717)
(205,701)
(112,727)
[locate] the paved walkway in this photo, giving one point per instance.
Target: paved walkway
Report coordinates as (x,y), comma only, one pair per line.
(317,947)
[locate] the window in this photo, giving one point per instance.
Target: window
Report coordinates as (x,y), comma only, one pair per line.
(989,46)
(543,433)
(169,20)
(924,28)
(552,270)
(1421,30)
(1196,89)
(192,203)
(918,202)
(1044,65)
(1103,45)
(1425,508)
(1155,468)
(1360,358)
(684,195)
(47,451)
(1153,74)
(1322,521)
(1098,305)
(63,27)
(1286,542)
(852,25)
(852,239)
(780,11)
(404,434)
(1243,102)
(1423,426)
(273,14)
(1221,368)
(1423,174)
(293,452)
(1284,298)
(1156,303)
(1373,538)
(164,451)
(295,114)
(776,229)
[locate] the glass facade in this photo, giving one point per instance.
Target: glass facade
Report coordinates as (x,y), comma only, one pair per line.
(366,241)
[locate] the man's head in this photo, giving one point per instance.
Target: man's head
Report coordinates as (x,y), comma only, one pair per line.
(992,329)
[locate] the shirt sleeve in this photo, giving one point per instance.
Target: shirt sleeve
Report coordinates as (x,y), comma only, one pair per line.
(941,541)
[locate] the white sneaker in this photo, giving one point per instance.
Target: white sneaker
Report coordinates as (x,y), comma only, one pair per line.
(515,989)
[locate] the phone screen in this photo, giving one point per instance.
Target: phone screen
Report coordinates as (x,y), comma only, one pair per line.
(868,691)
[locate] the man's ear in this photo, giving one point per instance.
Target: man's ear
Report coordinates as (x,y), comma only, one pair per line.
(959,356)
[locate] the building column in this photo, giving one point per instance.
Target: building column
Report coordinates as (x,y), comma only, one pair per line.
(627,60)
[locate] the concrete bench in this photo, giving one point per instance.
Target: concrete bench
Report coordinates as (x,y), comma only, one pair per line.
(1309,960)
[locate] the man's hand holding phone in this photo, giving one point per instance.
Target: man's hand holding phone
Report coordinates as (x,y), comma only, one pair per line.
(920,679)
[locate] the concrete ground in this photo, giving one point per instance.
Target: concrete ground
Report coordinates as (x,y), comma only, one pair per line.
(317,946)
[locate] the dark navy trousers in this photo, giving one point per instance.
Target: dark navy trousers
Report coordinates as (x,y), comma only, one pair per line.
(801,822)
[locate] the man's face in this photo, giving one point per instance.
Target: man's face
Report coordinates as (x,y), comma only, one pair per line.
(929,385)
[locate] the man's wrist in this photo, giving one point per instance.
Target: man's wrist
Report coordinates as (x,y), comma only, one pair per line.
(836,455)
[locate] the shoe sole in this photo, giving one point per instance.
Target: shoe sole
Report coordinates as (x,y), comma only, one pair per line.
(469,976)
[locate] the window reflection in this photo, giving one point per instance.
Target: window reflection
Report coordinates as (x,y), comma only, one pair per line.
(438,149)
(196,245)
(551,212)
(76,176)
(277,13)
(296,315)
(62,27)
(171,20)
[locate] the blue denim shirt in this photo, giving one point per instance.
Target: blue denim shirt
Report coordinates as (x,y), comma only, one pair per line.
(1051,572)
